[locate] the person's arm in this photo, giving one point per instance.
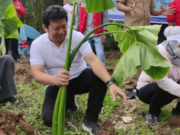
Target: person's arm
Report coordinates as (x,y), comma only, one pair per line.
(22,10)
(163,11)
(100,71)
(105,19)
(77,15)
(171,18)
(40,76)
(123,8)
(171,23)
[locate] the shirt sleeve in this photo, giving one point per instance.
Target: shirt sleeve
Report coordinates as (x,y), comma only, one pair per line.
(152,5)
(36,57)
(77,15)
(22,10)
(171,18)
(105,19)
(166,83)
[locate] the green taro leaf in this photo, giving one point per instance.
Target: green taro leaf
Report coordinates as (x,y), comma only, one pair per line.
(124,37)
(3,6)
(142,53)
(94,6)
(9,22)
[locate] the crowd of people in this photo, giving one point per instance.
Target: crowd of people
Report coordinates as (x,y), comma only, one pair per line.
(88,73)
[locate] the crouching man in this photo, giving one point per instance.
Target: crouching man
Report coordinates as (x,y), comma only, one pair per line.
(48,54)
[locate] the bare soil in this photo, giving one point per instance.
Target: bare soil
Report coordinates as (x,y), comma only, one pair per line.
(23,72)
(108,128)
(10,123)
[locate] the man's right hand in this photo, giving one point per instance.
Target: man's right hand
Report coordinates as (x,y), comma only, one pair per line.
(132,8)
(62,78)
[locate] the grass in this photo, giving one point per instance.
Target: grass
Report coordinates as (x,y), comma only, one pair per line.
(31,97)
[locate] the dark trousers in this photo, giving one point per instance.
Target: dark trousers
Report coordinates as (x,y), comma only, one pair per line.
(153,95)
(7,85)
(86,82)
(14,47)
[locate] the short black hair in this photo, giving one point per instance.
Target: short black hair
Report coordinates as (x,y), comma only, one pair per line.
(54,13)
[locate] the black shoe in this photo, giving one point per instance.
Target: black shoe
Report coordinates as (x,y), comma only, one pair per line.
(12,99)
(130,93)
(151,119)
(73,106)
(91,127)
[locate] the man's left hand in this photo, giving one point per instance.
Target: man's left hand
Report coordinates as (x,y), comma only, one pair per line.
(115,90)
(167,11)
(103,39)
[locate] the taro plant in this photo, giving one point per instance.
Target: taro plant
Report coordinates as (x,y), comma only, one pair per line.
(138,45)
(9,23)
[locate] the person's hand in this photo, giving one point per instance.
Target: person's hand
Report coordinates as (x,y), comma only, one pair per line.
(115,90)
(17,8)
(167,11)
(132,8)
(103,39)
(62,78)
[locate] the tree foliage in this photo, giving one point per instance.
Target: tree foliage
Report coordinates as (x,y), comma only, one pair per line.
(35,10)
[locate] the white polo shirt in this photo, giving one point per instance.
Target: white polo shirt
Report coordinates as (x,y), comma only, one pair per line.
(44,52)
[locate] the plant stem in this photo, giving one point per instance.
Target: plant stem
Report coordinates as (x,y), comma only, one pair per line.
(107,33)
(60,105)
(70,38)
(73,53)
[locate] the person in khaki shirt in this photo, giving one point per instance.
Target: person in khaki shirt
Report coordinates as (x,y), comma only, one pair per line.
(138,13)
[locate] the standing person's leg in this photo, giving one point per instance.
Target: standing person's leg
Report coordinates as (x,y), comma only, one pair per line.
(86,82)
(91,42)
(7,45)
(99,47)
(157,98)
(14,48)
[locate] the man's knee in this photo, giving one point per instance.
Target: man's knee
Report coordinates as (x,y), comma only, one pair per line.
(8,59)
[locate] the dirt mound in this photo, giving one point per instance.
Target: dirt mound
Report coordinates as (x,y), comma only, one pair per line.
(107,125)
(108,128)
(164,129)
(174,122)
(10,124)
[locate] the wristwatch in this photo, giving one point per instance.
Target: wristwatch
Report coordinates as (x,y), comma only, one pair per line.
(109,82)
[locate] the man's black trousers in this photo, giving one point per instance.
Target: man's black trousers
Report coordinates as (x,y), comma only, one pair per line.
(86,82)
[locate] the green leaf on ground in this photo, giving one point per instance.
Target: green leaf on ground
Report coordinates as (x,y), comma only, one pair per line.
(94,6)
(140,52)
